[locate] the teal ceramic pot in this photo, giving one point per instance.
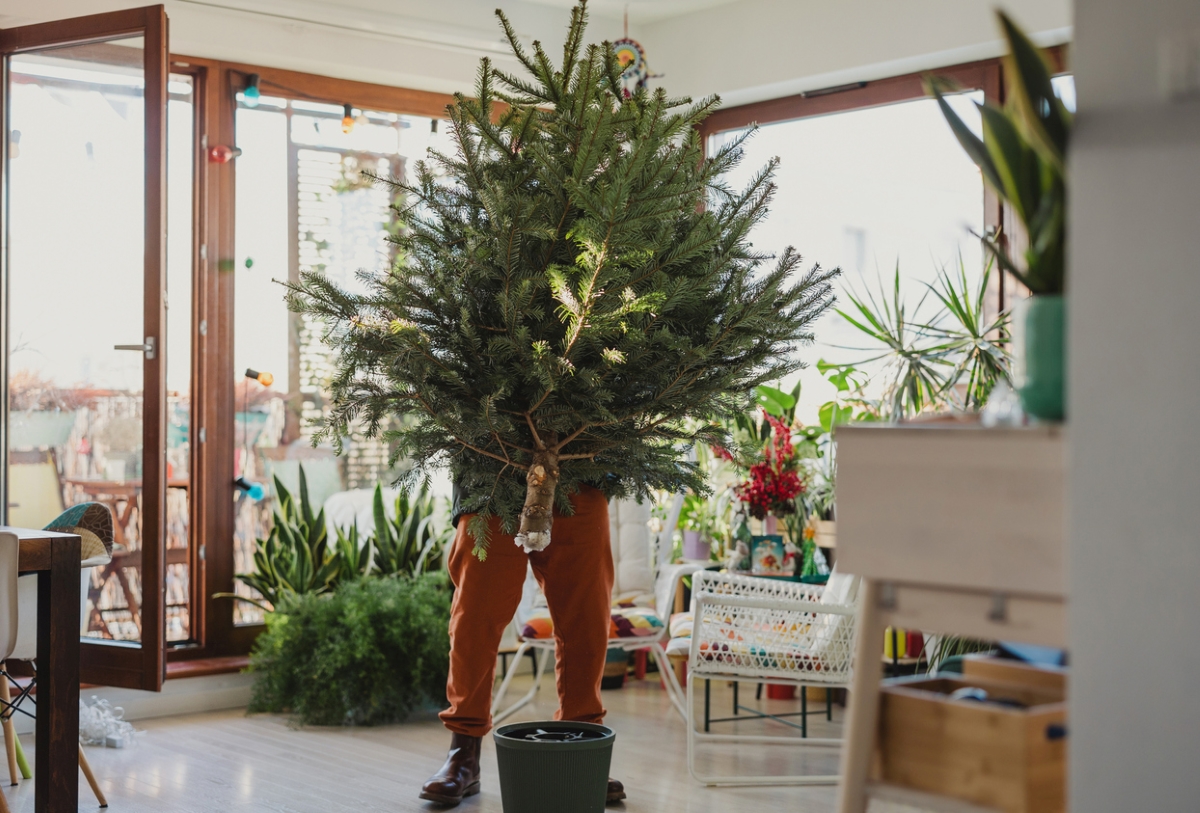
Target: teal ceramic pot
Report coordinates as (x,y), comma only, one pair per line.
(1040,327)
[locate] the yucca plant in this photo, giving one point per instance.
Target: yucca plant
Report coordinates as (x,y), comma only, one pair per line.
(979,344)
(1022,156)
(951,359)
(917,371)
(410,541)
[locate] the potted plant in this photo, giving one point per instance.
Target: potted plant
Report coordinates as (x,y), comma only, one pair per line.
(774,478)
(1023,158)
(701,520)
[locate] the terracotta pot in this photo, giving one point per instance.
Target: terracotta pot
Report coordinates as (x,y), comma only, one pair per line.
(825,533)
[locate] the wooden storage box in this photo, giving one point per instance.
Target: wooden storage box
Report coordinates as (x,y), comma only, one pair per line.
(1000,758)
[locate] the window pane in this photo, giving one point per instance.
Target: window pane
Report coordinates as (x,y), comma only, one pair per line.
(303,205)
(180,162)
(1064,86)
(75,402)
(867,190)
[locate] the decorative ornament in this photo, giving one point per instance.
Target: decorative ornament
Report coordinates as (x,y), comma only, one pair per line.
(632,57)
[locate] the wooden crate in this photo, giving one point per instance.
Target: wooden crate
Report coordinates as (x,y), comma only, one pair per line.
(1007,759)
(988,667)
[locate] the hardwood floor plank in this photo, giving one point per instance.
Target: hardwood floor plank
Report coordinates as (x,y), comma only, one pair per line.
(260,764)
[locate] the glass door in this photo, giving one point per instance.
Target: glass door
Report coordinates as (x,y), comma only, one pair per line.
(84,272)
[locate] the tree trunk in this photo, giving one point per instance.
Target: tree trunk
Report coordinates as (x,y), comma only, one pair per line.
(538,514)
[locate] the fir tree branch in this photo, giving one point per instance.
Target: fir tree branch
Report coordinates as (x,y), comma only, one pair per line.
(537,439)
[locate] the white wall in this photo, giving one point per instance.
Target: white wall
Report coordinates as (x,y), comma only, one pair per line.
(762,49)
(1134,387)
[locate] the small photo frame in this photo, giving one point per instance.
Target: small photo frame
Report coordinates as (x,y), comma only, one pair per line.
(766,555)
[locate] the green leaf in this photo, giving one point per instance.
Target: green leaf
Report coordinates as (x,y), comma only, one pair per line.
(1015,161)
(305,507)
(971,143)
(1027,76)
(831,414)
(775,402)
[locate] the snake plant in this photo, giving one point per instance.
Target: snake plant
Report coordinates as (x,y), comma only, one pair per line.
(295,558)
(409,541)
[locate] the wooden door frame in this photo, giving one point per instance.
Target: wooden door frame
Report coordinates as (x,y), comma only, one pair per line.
(142,666)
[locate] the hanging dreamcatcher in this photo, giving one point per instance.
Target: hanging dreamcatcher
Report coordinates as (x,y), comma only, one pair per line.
(632,58)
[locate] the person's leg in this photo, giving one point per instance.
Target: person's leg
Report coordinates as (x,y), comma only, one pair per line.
(576,574)
(486,596)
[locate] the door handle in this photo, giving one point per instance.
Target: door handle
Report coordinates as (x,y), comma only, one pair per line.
(147,348)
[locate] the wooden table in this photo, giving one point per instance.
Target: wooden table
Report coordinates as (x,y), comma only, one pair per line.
(956,531)
(55,558)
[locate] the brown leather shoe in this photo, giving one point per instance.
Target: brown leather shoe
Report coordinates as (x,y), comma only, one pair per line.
(459,777)
(616,791)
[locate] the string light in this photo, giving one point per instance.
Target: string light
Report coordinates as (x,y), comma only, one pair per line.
(254,491)
(266,379)
(347,119)
(251,94)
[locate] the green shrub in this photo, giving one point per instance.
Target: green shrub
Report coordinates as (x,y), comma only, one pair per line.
(370,652)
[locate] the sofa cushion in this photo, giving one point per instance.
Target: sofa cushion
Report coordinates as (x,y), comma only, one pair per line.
(625,622)
(681,625)
(634,622)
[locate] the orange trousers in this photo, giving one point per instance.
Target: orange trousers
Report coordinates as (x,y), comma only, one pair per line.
(576,575)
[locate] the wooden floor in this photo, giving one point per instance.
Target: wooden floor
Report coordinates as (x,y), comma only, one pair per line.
(224,761)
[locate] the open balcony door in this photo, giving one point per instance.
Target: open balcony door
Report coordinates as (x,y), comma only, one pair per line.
(83,264)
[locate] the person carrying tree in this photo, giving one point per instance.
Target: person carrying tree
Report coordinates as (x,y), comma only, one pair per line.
(575,302)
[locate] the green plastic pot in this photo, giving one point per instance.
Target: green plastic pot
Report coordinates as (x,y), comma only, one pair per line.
(1040,330)
(553,766)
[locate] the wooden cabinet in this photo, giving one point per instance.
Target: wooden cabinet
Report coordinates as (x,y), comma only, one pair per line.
(956,530)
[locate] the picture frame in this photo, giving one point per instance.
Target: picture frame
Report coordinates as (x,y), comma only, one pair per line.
(766,555)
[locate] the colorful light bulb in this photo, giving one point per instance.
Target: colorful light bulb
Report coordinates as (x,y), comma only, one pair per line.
(251,94)
(254,491)
(266,379)
(347,119)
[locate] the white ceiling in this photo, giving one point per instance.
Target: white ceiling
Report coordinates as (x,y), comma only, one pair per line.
(357,13)
(640,11)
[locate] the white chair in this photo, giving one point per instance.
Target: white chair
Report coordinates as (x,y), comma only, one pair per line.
(9,605)
(635,582)
(748,629)
(19,600)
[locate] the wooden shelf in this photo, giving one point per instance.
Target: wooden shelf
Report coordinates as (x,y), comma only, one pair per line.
(957,530)
(962,508)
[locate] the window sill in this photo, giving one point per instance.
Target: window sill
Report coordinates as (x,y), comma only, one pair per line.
(202,667)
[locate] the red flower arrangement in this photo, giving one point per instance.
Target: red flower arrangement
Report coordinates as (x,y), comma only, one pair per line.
(774,482)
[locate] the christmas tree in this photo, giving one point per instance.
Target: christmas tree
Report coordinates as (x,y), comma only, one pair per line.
(575,300)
